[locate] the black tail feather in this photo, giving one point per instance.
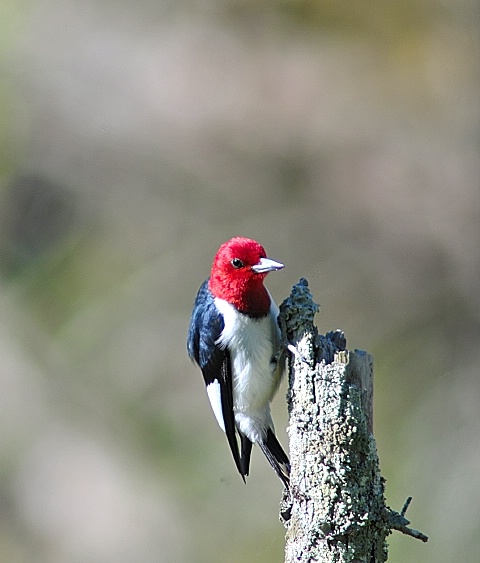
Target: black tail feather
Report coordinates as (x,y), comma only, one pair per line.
(272,450)
(246,450)
(277,458)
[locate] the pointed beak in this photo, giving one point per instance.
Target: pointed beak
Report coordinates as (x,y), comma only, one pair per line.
(266,265)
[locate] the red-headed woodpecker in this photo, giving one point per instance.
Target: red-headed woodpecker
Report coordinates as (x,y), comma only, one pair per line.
(235,339)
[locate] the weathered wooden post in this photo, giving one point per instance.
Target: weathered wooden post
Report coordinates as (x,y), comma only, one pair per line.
(336,509)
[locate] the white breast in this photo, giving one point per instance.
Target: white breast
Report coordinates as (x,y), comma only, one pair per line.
(253,345)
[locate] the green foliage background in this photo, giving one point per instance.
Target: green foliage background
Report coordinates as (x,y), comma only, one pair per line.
(135,138)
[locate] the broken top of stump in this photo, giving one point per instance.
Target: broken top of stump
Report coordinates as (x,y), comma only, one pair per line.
(296,317)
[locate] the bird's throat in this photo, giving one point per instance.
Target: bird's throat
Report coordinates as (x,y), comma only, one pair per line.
(250,298)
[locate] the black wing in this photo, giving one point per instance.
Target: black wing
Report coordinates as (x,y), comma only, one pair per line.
(206,326)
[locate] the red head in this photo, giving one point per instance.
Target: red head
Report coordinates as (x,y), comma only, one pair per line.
(238,271)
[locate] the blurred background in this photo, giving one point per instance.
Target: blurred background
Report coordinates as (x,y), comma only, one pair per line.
(135,138)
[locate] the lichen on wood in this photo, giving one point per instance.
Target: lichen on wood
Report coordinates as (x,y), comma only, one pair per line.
(335,511)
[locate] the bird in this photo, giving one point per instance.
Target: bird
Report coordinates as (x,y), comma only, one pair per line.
(235,339)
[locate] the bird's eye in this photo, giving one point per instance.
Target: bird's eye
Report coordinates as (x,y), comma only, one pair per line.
(237,263)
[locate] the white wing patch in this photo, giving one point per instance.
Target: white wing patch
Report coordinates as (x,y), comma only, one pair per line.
(215,397)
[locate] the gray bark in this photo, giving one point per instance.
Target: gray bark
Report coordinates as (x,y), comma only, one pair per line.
(335,511)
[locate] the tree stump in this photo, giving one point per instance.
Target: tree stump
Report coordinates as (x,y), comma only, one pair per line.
(335,510)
